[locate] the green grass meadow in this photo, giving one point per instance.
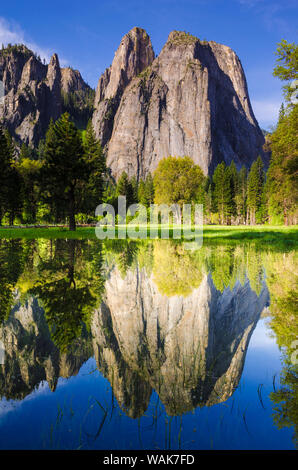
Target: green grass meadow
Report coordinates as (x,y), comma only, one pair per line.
(211,233)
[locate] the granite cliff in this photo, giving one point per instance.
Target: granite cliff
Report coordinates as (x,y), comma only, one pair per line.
(134,54)
(35,92)
(190,100)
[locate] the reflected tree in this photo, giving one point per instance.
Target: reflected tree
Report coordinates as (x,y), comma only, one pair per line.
(177,271)
(285,401)
(282,282)
(11,266)
(70,287)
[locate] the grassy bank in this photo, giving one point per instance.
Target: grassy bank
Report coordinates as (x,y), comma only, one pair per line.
(211,233)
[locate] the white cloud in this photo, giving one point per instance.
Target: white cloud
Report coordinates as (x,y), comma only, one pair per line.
(11,32)
(266,112)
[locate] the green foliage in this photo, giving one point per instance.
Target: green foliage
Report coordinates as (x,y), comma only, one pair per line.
(285,401)
(29,171)
(70,286)
(176,271)
(79,105)
(11,266)
(255,192)
(125,188)
(286,64)
(182,38)
(92,190)
(281,186)
(282,282)
(177,180)
(17,49)
(241,195)
(222,193)
(10,180)
(5,163)
(65,169)
(146,191)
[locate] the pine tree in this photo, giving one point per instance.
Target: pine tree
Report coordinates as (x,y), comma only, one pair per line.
(149,190)
(141,193)
(92,192)
(5,162)
(10,180)
(14,201)
(282,113)
(208,199)
(29,171)
(255,188)
(241,195)
(222,195)
(65,168)
(124,188)
(134,187)
(233,182)
(281,185)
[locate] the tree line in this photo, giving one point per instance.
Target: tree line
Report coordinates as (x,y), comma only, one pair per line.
(228,197)
(66,180)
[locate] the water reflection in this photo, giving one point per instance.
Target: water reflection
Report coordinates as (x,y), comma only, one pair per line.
(155,316)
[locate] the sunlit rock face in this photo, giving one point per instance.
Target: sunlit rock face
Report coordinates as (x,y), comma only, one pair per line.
(192,100)
(133,55)
(30,354)
(191,350)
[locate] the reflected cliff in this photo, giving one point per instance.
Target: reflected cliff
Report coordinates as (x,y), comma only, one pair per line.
(155,316)
(191,349)
(46,334)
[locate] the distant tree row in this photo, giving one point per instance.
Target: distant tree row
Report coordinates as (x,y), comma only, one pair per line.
(79,104)
(229,197)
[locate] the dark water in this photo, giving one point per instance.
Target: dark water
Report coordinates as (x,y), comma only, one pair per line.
(147,346)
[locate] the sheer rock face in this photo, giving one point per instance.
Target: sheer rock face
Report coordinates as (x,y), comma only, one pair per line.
(174,345)
(71,81)
(33,93)
(192,100)
(133,55)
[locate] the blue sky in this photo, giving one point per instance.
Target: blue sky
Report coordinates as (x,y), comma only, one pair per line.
(85,34)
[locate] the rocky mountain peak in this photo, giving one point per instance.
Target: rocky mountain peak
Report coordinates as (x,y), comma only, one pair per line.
(54,72)
(33,70)
(180,38)
(33,93)
(71,80)
(12,61)
(133,55)
(193,101)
